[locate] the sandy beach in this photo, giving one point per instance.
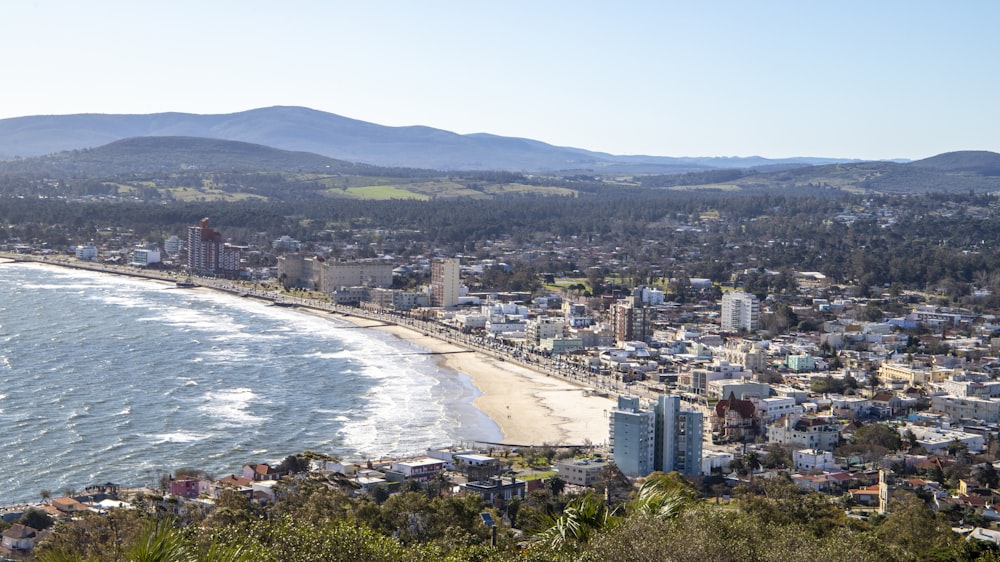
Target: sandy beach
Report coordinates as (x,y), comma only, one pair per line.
(531,408)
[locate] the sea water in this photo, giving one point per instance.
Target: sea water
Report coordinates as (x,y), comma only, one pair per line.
(108,378)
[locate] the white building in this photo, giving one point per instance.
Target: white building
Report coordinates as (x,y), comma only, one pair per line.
(936,439)
(173,245)
(421,469)
(740,311)
(805,432)
(718,370)
(144,256)
(812,459)
(581,472)
(970,407)
(86,252)
(770,409)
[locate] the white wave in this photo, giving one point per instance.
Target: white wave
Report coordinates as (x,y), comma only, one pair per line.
(176,437)
(231,405)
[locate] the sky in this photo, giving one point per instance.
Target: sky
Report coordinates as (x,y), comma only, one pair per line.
(846,79)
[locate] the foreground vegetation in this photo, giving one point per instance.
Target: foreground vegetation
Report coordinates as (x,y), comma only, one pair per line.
(659,519)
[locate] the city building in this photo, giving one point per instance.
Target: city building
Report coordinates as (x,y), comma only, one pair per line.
(208,254)
(173,245)
(581,472)
(543,328)
(740,311)
(667,438)
(144,256)
(804,432)
(678,437)
(445,280)
(336,275)
(631,435)
(631,320)
(313,272)
(86,252)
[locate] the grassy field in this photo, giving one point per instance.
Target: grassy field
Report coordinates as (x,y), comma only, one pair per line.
(381,192)
(191,194)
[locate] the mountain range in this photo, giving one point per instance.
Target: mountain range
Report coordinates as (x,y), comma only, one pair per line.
(302,129)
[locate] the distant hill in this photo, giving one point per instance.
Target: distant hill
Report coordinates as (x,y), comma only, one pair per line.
(306,130)
(172,154)
(975,161)
(954,171)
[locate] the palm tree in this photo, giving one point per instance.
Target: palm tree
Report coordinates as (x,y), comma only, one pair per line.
(580,520)
(662,496)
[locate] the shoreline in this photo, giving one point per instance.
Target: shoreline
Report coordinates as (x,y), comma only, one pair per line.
(530,407)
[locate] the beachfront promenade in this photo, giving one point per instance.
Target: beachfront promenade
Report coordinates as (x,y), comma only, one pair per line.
(498,349)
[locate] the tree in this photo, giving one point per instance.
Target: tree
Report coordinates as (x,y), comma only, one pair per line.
(777,456)
(912,531)
(36,519)
(580,520)
(987,474)
(556,485)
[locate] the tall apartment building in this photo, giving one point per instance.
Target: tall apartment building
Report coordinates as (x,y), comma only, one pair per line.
(445,280)
(631,320)
(632,431)
(740,311)
(208,255)
(668,438)
(678,437)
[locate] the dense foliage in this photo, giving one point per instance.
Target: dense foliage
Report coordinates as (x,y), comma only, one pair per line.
(663,519)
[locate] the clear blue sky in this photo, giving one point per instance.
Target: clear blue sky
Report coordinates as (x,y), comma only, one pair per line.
(860,79)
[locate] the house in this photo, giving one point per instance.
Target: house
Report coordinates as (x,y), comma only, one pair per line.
(581,472)
(477,467)
(68,506)
(735,419)
(233,482)
(886,404)
(259,472)
(189,487)
(806,432)
(497,491)
(420,469)
(867,496)
(811,459)
(19,538)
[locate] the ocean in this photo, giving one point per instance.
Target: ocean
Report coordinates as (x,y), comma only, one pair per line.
(106,378)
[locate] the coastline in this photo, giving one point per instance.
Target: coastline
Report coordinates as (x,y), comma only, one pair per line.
(530,407)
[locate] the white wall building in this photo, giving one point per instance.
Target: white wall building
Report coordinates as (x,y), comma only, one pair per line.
(86,252)
(811,459)
(144,256)
(740,311)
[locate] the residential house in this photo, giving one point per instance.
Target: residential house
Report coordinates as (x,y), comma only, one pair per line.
(581,472)
(807,432)
(735,420)
(811,459)
(420,469)
(497,491)
(19,538)
(259,472)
